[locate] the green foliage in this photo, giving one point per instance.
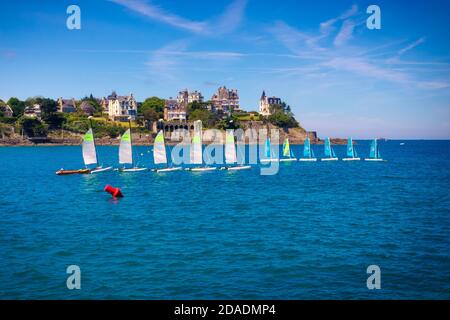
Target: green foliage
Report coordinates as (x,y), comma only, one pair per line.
(283,120)
(282,116)
(208,118)
(151,115)
(232,122)
(33,127)
(93,102)
(197,106)
(48,106)
(54,120)
(17,106)
(154,103)
(80,124)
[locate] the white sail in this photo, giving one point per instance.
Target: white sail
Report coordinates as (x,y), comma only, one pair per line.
(159,149)
(125,148)
(88,146)
(230,150)
(196,146)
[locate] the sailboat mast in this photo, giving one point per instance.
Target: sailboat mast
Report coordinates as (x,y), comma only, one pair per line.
(93,139)
(131,142)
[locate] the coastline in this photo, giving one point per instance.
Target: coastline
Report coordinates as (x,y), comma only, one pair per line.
(142,142)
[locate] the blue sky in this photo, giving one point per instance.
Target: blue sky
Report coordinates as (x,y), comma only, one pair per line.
(339,77)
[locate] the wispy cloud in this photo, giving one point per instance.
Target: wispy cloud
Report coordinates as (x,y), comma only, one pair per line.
(411,46)
(158,14)
(227,22)
(173,58)
(231,18)
(362,67)
(334,53)
(345,34)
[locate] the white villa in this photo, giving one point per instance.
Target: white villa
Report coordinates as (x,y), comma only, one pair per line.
(266,102)
(33,111)
(120,108)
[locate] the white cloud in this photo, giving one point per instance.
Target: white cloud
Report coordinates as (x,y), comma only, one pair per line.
(345,33)
(411,46)
(229,21)
(156,13)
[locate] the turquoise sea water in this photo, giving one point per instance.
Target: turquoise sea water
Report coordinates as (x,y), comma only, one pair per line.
(308,232)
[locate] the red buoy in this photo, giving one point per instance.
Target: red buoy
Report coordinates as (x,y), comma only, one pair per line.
(115,192)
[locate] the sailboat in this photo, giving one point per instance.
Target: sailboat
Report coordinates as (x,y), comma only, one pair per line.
(308,153)
(351,152)
(196,156)
(90,153)
(287,152)
(126,153)
(329,152)
(374,152)
(230,153)
(268,153)
(160,155)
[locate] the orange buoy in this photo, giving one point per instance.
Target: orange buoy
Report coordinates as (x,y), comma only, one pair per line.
(115,192)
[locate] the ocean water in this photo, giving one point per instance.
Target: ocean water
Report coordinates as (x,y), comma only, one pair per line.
(309,232)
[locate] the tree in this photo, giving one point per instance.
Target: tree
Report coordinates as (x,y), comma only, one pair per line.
(48,106)
(154,103)
(55,120)
(195,105)
(93,102)
(17,106)
(151,115)
(283,120)
(33,127)
(229,123)
(208,119)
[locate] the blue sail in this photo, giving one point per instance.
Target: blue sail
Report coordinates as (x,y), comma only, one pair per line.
(327,147)
(307,149)
(267,148)
(350,150)
(373,149)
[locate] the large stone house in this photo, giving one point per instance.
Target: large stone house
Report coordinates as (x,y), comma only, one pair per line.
(174,111)
(266,102)
(225,100)
(120,108)
(67,105)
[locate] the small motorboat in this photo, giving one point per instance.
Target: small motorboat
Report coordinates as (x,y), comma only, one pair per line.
(63,172)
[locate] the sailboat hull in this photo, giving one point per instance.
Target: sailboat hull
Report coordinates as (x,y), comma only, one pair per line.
(351,159)
(307,159)
(329,159)
(202,169)
(238,168)
(373,159)
(133,170)
(169,169)
(288,159)
(99,170)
